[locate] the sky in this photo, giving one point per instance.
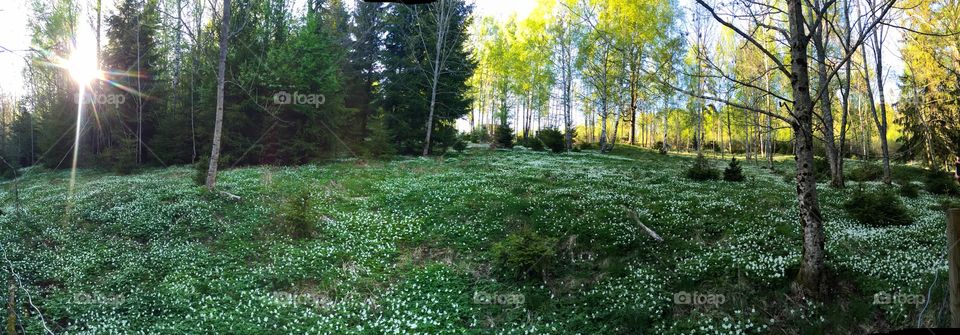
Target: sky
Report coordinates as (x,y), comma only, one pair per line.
(503,8)
(13,24)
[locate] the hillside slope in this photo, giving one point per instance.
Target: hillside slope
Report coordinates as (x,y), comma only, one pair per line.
(484,242)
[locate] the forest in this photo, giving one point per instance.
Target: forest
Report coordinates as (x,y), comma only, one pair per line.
(468,167)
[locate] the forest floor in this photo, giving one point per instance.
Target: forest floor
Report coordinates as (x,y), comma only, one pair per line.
(505,242)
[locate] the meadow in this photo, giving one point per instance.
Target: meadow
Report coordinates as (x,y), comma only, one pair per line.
(482,242)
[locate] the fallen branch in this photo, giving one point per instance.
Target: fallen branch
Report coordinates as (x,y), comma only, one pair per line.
(633,214)
(232,196)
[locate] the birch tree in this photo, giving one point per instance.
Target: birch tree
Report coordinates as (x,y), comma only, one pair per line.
(803,20)
(218,122)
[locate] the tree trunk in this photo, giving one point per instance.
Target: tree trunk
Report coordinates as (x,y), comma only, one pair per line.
(11,307)
(603,128)
(441,36)
(666,126)
(883,125)
(834,159)
(879,118)
(568,106)
(811,269)
(139,97)
(616,126)
(218,125)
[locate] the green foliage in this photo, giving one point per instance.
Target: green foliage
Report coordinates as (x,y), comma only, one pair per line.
(702,170)
(877,208)
(8,171)
(443,139)
(460,145)
(294,219)
(733,172)
(478,135)
(200,169)
(866,171)
(122,157)
(409,44)
(946,204)
(553,139)
(939,182)
(535,144)
(525,252)
(821,168)
(308,65)
(168,246)
(504,136)
(660,147)
(909,190)
(133,44)
(378,144)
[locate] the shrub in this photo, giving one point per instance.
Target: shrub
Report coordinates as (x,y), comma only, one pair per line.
(909,190)
(946,204)
(660,147)
(939,182)
(293,217)
(868,171)
(586,146)
(821,169)
(504,136)
(553,139)
(478,135)
(460,145)
(535,144)
(733,172)
(8,171)
(378,145)
(200,170)
(702,170)
(877,208)
(123,157)
(525,252)
(443,138)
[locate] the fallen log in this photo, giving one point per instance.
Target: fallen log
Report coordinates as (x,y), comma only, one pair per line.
(636,217)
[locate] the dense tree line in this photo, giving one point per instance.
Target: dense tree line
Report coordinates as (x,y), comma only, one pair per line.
(301,84)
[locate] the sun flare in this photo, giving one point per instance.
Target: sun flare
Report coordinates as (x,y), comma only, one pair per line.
(82,66)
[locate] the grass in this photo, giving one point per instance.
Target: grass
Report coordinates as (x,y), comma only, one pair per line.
(406,246)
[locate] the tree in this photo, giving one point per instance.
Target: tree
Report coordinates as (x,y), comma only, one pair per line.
(875,45)
(820,38)
(795,66)
(929,105)
(563,42)
(362,73)
(426,67)
(218,122)
(448,42)
(132,51)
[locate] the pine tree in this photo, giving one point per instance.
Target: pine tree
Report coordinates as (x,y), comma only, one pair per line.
(407,87)
(733,172)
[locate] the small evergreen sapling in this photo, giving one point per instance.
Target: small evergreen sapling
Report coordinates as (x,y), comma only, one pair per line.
(504,136)
(702,170)
(733,172)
